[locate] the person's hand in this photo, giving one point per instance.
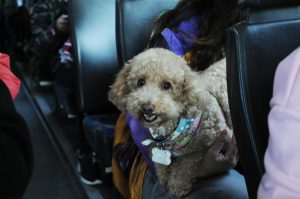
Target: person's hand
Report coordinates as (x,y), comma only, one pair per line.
(62,23)
(217,159)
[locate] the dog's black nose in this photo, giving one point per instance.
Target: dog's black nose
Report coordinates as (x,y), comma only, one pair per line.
(148,108)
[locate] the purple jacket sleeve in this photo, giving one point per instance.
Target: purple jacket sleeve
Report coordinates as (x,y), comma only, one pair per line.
(282,159)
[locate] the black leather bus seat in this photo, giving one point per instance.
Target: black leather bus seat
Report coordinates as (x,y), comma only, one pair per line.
(135,20)
(270,31)
(94,40)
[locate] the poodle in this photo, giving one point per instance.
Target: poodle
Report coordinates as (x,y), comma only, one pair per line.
(184,111)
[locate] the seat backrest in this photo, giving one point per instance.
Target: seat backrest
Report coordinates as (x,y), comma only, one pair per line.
(135,19)
(270,31)
(267,3)
(95,53)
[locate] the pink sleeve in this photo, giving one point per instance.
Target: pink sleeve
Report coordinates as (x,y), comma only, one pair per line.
(282,158)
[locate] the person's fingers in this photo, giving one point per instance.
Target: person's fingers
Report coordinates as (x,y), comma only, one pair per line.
(232,149)
(231,154)
(63,23)
(233,139)
(219,142)
(64,26)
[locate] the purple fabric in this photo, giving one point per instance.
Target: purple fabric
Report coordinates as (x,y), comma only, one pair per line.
(179,44)
(139,134)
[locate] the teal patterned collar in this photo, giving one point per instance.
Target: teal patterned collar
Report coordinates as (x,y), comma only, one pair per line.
(181,136)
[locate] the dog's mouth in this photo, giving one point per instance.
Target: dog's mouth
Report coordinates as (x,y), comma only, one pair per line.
(149,117)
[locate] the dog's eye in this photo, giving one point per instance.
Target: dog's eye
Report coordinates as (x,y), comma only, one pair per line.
(140,82)
(166,85)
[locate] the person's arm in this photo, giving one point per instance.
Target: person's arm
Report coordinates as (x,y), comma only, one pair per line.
(52,38)
(216,160)
(15,149)
(282,159)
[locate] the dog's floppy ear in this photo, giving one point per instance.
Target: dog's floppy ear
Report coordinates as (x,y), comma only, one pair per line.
(189,87)
(192,91)
(119,89)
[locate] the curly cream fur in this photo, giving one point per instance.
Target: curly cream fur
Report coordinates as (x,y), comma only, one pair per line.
(191,94)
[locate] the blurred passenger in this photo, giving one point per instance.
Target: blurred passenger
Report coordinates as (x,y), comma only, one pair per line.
(282,160)
(15,145)
(195,30)
(64,77)
(15,21)
(50,29)
(55,44)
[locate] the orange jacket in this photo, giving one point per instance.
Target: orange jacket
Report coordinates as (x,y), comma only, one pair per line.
(132,187)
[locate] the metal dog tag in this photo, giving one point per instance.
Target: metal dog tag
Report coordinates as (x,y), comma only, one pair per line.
(161,156)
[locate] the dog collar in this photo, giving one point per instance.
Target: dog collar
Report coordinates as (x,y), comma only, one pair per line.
(180,137)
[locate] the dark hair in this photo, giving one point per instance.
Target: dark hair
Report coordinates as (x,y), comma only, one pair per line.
(217,15)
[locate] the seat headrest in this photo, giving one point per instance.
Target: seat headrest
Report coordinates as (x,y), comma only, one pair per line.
(267,3)
(135,23)
(95,54)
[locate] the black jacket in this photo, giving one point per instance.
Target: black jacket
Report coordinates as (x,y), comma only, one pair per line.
(16,156)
